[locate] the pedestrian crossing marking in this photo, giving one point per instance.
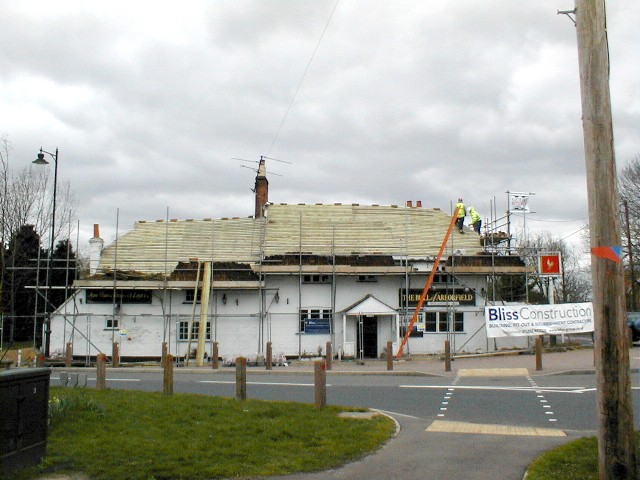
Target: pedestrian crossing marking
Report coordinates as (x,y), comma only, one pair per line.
(445,426)
(493,372)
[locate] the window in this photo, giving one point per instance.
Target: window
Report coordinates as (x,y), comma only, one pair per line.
(438,322)
(315,320)
(183,331)
(367,278)
(189,296)
(316,278)
(443,278)
(111,323)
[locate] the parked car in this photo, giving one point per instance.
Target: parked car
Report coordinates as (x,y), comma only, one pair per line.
(633,320)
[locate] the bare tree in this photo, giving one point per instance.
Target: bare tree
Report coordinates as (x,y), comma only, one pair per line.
(27,199)
(629,193)
(573,285)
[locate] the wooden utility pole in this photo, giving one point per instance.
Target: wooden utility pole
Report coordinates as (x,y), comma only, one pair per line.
(616,443)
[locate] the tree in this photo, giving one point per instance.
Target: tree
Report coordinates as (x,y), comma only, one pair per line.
(572,286)
(629,193)
(21,272)
(25,220)
(63,273)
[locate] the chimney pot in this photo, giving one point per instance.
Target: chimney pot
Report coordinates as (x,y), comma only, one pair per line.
(96,230)
(409,203)
(419,203)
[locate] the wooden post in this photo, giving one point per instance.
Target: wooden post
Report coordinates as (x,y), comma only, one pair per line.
(214,356)
(389,355)
(115,355)
(167,381)
(269,359)
(165,351)
(328,358)
(320,380)
(68,355)
(616,442)
(447,356)
(101,374)
(241,378)
(539,353)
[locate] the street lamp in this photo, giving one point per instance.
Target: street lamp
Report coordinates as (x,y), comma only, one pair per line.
(47,321)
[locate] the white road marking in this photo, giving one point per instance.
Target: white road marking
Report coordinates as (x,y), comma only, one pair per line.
(395,413)
(109,379)
(513,389)
(285,384)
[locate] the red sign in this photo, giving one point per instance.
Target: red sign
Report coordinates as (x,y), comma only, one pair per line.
(550,264)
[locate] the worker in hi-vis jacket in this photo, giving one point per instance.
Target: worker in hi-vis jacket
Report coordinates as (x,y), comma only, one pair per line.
(462,211)
(476,220)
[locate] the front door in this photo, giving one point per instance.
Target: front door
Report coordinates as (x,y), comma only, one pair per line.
(368,337)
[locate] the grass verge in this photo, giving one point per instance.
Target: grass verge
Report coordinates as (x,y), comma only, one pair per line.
(577,460)
(114,434)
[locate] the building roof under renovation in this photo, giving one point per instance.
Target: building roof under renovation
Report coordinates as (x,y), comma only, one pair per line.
(341,229)
(287,229)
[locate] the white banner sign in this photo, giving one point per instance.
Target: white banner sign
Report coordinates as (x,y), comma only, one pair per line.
(525,320)
(518,202)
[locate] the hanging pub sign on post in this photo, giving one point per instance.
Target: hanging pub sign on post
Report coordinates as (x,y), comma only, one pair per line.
(550,264)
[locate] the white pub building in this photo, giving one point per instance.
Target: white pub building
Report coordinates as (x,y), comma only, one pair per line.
(297,276)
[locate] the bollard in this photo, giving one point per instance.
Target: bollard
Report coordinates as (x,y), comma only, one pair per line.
(64,379)
(115,355)
(241,378)
(167,381)
(214,356)
(269,359)
(101,376)
(68,355)
(447,356)
(165,351)
(389,355)
(539,352)
(320,380)
(328,358)
(19,358)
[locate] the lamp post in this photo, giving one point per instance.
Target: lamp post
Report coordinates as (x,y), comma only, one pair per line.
(47,321)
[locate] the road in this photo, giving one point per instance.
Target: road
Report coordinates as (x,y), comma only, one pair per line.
(566,402)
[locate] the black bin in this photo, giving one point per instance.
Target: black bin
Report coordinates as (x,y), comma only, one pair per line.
(24,400)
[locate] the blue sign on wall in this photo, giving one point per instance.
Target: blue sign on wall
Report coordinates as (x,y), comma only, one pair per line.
(317,325)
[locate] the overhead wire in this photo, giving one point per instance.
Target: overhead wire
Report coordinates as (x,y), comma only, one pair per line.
(304,74)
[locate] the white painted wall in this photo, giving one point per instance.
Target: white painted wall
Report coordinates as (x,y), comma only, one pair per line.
(238,330)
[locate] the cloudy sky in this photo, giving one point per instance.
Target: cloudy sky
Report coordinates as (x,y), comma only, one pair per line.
(151,103)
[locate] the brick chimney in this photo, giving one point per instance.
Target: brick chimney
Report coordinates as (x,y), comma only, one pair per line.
(95,250)
(261,189)
(419,203)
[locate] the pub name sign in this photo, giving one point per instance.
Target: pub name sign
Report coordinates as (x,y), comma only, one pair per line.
(122,296)
(440,296)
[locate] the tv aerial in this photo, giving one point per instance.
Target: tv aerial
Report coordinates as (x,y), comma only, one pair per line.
(262,158)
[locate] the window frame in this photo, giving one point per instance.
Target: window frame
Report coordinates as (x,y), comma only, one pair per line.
(111,322)
(437,321)
(188,296)
(317,278)
(183,331)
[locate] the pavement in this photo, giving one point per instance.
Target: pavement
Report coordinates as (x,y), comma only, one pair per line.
(425,449)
